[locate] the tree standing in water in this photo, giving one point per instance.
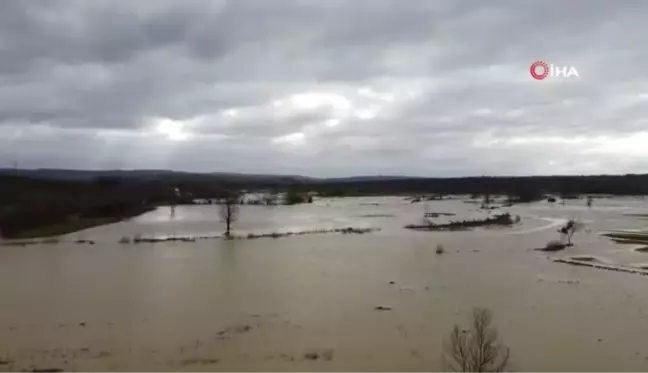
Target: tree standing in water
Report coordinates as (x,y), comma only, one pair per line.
(478,349)
(486,202)
(229,210)
(567,231)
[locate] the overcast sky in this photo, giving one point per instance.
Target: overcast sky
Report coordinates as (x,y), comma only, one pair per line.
(325,87)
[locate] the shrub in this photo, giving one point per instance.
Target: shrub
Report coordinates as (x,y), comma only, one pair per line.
(440,249)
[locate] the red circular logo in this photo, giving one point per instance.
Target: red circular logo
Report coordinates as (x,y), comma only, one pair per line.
(534,70)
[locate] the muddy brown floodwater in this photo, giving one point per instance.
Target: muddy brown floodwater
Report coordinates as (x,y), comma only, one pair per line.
(380,301)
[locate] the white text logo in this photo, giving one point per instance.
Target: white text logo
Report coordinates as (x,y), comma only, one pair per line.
(540,70)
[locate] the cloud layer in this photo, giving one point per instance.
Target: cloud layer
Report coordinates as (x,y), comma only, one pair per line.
(325,87)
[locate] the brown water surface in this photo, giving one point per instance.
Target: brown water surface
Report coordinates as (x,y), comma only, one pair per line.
(308,302)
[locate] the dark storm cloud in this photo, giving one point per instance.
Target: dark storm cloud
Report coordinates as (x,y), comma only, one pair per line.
(324,87)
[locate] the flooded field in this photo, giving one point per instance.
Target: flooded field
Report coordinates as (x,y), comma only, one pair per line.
(309,302)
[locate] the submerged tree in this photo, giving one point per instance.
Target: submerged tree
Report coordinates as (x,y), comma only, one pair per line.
(486,201)
(478,349)
(270,198)
(567,231)
(229,209)
(294,197)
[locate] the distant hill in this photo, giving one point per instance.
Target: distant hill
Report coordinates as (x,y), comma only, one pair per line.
(86,175)
(89,175)
(203,183)
(355,179)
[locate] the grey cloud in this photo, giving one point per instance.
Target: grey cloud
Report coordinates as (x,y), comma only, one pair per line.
(81,83)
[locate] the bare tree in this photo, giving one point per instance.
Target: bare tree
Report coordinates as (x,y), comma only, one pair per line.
(229,210)
(270,198)
(590,199)
(567,231)
(478,349)
(486,202)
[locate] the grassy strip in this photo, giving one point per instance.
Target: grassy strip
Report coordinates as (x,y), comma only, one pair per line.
(601,266)
(251,236)
(349,230)
(629,241)
(504,219)
(639,236)
(152,240)
(437,214)
(630,238)
(634,237)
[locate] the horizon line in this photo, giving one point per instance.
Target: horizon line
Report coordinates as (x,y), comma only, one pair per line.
(6,170)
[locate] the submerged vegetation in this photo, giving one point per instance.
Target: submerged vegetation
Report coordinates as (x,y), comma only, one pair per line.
(348,230)
(628,237)
(593,263)
(505,219)
(623,237)
(140,239)
(567,231)
(631,237)
(554,245)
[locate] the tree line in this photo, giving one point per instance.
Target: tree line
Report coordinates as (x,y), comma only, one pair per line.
(527,188)
(28,203)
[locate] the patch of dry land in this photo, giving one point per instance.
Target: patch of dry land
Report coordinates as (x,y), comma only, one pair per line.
(383,300)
